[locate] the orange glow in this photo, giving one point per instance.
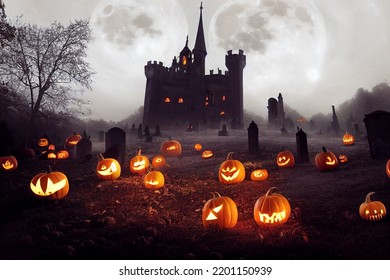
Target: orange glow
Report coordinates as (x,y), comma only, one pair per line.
(184,60)
(167,100)
(181,100)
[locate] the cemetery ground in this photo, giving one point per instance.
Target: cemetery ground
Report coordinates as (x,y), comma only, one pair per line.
(122,219)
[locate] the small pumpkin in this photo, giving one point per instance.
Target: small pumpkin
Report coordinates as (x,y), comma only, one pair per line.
(259,174)
(231,171)
(198,147)
(271,209)
(207,154)
(219,211)
(154,180)
(170,148)
(62,154)
(51,147)
(51,155)
(72,140)
(285,159)
(43,141)
(343,158)
(372,210)
(139,164)
(388,168)
(8,163)
(158,162)
(108,168)
(326,160)
(50,185)
(348,139)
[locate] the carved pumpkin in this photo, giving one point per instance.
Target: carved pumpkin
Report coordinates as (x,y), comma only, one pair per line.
(285,159)
(62,154)
(8,163)
(348,139)
(207,154)
(50,185)
(51,147)
(154,180)
(231,171)
(326,160)
(198,147)
(388,168)
(108,168)
(259,174)
(271,209)
(220,211)
(372,210)
(343,158)
(72,140)
(51,155)
(43,141)
(158,162)
(139,164)
(170,148)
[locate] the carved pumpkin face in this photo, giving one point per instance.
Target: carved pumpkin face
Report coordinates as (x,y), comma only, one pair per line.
(198,147)
(51,155)
(326,160)
(220,211)
(343,158)
(170,148)
(154,180)
(51,185)
(348,139)
(207,154)
(108,169)
(372,210)
(231,171)
(139,164)
(63,154)
(285,159)
(271,209)
(8,163)
(72,140)
(43,142)
(259,175)
(388,168)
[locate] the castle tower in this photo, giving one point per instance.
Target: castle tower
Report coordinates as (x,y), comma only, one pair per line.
(199,50)
(185,60)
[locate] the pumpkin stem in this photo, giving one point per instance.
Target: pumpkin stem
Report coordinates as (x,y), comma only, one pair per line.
(324,149)
(368,197)
(271,190)
(138,152)
(100,156)
(230,155)
(49,169)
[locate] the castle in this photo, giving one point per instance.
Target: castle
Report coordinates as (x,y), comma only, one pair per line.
(182,95)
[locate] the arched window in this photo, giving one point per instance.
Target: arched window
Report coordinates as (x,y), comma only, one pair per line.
(167,100)
(184,60)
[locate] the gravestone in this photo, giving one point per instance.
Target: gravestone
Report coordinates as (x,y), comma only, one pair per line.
(148,136)
(224,131)
(378,132)
(158,131)
(272,111)
(253,138)
(140,135)
(335,126)
(115,144)
(302,149)
(84,149)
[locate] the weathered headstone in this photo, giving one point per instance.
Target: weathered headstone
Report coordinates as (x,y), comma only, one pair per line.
(84,149)
(224,131)
(115,144)
(272,111)
(302,149)
(148,136)
(158,131)
(335,126)
(378,132)
(253,138)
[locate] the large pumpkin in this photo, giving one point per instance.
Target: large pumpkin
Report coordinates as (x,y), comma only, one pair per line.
(231,171)
(170,148)
(372,210)
(139,164)
(108,168)
(259,174)
(388,168)
(50,185)
(285,159)
(326,160)
(271,209)
(348,139)
(8,163)
(154,180)
(72,140)
(220,211)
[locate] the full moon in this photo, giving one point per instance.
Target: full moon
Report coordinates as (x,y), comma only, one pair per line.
(284,41)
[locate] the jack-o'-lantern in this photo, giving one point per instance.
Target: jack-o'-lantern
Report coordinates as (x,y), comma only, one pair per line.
(372,210)
(220,211)
(154,180)
(207,154)
(285,159)
(43,141)
(62,154)
(348,139)
(72,140)
(158,162)
(326,160)
(231,171)
(260,174)
(198,147)
(50,185)
(343,158)
(271,209)
(108,168)
(170,148)
(8,163)
(388,168)
(51,155)
(139,164)
(51,147)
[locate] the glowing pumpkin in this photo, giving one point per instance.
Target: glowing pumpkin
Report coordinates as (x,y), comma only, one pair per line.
(388,168)
(326,160)
(154,180)
(50,185)
(372,210)
(220,211)
(108,168)
(43,141)
(198,147)
(343,158)
(51,155)
(231,171)
(8,163)
(285,159)
(139,164)
(158,162)
(259,174)
(170,148)
(62,154)
(207,154)
(348,139)
(271,209)
(51,147)
(72,140)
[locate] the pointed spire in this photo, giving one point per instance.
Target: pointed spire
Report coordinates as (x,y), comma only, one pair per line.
(200,44)
(187,41)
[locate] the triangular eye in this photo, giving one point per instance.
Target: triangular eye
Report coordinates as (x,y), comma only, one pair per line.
(218,208)
(103,167)
(211,217)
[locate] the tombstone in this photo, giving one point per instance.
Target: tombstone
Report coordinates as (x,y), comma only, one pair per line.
(115,144)
(140,135)
(302,149)
(378,132)
(132,130)
(101,136)
(272,111)
(224,131)
(158,131)
(335,126)
(149,137)
(84,149)
(356,129)
(253,138)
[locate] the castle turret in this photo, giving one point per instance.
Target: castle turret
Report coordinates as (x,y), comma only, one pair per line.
(199,50)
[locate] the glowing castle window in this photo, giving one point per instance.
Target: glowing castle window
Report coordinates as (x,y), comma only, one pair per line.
(181,100)
(223,97)
(184,60)
(167,100)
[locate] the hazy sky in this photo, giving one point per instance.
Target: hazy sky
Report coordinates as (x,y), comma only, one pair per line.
(316,53)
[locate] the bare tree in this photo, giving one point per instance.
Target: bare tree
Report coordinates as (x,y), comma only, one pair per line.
(47,64)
